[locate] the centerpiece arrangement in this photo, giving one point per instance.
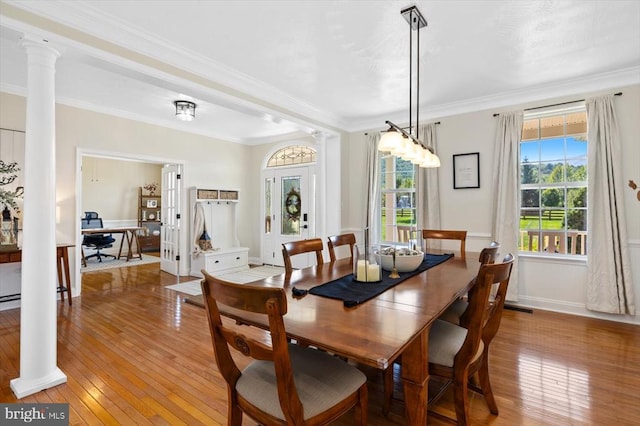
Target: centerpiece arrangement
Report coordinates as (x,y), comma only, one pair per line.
(403,259)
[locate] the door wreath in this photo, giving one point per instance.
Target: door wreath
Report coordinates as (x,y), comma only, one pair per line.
(292,205)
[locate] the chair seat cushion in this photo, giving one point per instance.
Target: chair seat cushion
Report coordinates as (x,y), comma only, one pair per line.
(454,312)
(445,340)
(321,380)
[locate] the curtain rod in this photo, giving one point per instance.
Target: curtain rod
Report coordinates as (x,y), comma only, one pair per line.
(437,122)
(561,103)
(13,130)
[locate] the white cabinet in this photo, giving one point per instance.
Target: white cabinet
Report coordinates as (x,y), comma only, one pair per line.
(221,261)
(217,212)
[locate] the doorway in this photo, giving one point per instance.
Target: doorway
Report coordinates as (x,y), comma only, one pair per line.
(288,212)
(122,210)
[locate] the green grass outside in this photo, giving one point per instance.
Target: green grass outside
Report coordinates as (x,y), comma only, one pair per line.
(404,217)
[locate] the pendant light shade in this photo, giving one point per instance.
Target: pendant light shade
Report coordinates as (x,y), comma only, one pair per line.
(389,140)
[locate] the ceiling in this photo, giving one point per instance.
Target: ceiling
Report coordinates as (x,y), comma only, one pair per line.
(264,70)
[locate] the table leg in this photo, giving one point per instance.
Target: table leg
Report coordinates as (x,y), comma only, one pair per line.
(67,273)
(62,262)
(415,378)
(134,236)
(59,268)
(129,254)
(124,234)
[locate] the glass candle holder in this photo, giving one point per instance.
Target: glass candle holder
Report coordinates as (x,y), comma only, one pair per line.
(365,266)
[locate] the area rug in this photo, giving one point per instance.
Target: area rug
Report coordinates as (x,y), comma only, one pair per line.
(252,274)
(94,265)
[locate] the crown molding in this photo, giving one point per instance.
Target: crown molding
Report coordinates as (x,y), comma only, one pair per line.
(575,87)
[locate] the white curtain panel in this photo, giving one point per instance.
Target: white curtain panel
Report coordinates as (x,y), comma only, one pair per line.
(609,284)
(372,181)
(427,189)
(506,178)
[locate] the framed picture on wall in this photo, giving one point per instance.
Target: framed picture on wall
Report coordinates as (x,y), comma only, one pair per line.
(466,170)
(152,204)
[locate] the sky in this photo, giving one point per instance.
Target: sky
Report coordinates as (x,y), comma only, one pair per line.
(553,150)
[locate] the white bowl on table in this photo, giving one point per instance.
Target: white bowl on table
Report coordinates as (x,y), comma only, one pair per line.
(406,260)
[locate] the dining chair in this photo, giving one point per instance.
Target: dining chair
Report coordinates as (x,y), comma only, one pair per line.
(293,248)
(444,234)
(283,384)
(489,253)
(406,233)
(457,309)
(457,353)
(341,240)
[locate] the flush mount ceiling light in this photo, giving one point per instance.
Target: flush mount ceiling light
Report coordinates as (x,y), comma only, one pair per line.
(396,140)
(185,110)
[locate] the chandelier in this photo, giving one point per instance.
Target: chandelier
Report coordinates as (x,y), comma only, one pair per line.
(396,140)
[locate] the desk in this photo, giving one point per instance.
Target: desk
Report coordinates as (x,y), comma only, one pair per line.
(9,254)
(129,233)
(374,333)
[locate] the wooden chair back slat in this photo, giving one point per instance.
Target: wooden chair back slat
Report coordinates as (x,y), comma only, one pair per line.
(445,234)
(293,248)
(340,240)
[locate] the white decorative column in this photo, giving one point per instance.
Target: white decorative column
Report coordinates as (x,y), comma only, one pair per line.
(328,207)
(38,325)
(321,185)
(333,185)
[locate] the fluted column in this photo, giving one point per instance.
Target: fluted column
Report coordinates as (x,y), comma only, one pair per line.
(38,325)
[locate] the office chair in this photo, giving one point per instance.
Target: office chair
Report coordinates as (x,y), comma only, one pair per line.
(96,241)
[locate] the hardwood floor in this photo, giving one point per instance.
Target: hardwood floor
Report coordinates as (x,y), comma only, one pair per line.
(134,353)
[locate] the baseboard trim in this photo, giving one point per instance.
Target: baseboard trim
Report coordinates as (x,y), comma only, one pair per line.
(571,308)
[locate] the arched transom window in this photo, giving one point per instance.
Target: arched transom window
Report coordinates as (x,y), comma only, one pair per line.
(295,154)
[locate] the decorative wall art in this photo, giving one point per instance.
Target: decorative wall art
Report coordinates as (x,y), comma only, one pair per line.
(466,170)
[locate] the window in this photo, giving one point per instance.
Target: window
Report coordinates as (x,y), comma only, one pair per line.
(553,183)
(398,198)
(292,155)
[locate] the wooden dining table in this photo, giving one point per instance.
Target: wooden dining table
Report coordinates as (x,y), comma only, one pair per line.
(378,331)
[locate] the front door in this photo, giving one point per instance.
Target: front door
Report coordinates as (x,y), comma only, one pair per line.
(288,212)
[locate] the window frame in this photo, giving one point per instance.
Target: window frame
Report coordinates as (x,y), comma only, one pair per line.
(387,193)
(567,242)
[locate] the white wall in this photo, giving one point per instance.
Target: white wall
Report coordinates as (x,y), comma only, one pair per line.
(557,284)
(111,187)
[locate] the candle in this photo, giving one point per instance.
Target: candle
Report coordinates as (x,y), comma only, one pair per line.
(373,272)
(362,270)
(367,272)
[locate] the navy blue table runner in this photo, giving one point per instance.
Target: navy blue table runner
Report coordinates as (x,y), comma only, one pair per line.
(353,292)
